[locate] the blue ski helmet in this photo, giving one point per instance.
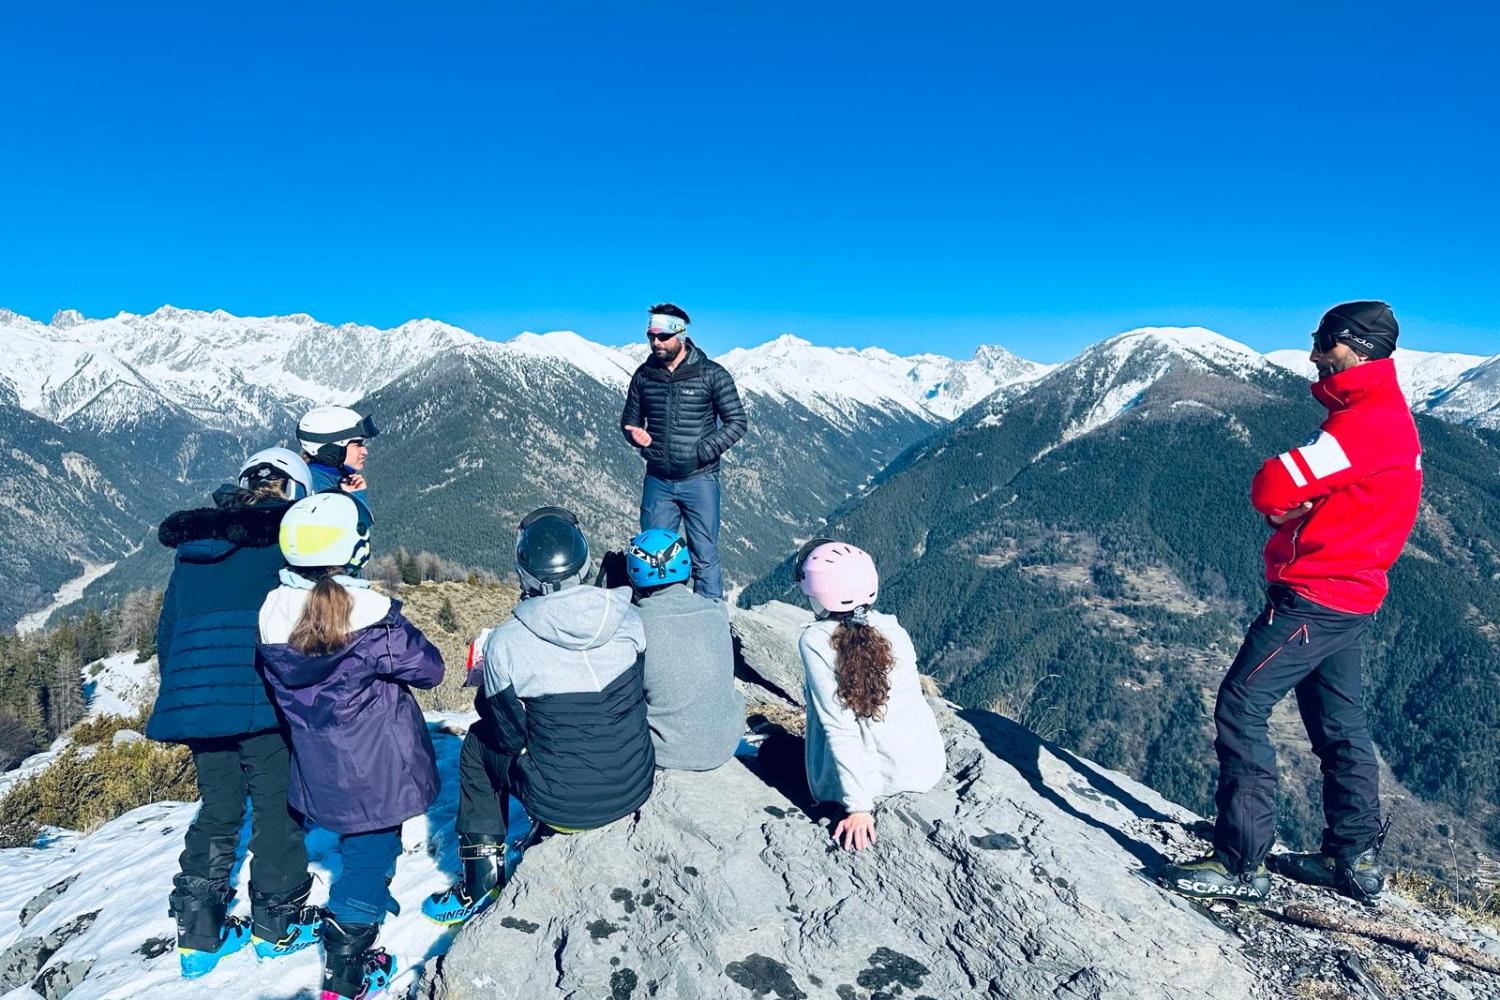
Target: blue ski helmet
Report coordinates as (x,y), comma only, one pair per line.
(657,557)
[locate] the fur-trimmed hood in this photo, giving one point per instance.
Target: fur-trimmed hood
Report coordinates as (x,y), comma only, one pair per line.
(241,527)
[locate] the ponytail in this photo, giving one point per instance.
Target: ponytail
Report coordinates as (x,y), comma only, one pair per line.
(862,664)
(323,626)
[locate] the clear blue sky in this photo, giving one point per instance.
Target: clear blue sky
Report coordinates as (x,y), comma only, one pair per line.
(922,176)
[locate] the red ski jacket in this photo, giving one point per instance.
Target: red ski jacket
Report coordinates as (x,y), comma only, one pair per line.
(1362,472)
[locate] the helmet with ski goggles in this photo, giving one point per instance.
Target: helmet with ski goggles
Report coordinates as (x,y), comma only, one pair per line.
(1367,328)
(326,431)
(325,529)
(839,576)
(270,464)
(657,557)
(551,551)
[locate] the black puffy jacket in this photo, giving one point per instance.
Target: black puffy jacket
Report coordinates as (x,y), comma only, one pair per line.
(693,414)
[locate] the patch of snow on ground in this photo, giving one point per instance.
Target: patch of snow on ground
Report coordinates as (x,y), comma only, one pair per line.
(117,685)
(125,870)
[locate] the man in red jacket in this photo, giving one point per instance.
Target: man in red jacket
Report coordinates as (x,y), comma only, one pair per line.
(1341,506)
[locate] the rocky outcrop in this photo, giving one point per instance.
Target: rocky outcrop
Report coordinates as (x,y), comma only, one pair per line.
(1018,876)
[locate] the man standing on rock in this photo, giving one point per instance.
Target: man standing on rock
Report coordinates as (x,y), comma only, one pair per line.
(682,412)
(1342,506)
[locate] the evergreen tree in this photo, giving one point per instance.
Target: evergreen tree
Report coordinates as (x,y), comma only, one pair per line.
(65,702)
(446,617)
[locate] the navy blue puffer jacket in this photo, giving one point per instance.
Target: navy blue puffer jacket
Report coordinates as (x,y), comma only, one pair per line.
(227,562)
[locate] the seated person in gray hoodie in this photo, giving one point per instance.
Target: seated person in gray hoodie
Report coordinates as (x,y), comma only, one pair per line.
(695,713)
(562,713)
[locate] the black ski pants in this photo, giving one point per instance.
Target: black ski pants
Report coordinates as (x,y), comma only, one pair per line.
(1295,645)
(229,769)
(483,798)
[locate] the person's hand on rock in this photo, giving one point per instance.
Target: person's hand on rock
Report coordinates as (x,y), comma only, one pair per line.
(855,831)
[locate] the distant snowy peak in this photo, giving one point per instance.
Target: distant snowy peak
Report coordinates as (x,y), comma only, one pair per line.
(1474,398)
(229,371)
(1424,375)
(609,365)
(835,381)
(1113,376)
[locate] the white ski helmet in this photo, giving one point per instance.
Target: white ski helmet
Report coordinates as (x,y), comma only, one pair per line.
(325,530)
(277,463)
(324,431)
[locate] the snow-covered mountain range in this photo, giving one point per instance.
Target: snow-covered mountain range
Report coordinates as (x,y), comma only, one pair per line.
(233,372)
(109,423)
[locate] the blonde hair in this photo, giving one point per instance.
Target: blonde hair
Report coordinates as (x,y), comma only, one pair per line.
(323,626)
(266,490)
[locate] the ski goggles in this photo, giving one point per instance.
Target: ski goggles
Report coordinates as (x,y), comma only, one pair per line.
(359,432)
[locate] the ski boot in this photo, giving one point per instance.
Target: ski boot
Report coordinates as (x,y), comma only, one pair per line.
(1359,877)
(204,933)
(483,856)
(352,970)
(1209,878)
(281,922)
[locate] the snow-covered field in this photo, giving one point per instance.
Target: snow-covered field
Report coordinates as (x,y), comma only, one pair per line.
(66,594)
(122,872)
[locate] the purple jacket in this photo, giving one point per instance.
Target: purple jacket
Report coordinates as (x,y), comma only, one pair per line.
(362,758)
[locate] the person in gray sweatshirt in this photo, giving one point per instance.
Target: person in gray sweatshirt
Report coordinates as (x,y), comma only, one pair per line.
(695,714)
(870,732)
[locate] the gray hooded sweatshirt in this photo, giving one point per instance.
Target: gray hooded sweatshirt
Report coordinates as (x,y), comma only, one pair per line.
(695,713)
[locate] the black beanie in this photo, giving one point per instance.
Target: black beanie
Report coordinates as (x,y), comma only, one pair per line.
(1369,328)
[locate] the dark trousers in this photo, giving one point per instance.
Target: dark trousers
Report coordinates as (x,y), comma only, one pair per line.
(361,891)
(695,504)
(1295,645)
(483,798)
(228,770)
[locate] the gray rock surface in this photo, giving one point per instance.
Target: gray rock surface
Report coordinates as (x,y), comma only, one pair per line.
(766,641)
(1018,876)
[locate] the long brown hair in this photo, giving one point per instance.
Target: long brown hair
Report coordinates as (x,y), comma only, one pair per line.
(862,663)
(323,626)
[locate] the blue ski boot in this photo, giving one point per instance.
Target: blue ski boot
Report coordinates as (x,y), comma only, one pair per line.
(282,922)
(204,932)
(352,970)
(483,856)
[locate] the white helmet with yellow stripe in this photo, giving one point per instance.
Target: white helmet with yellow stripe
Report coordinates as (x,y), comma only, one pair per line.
(325,530)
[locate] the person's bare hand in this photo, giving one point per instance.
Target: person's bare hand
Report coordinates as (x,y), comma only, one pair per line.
(855,831)
(1293,514)
(639,436)
(353,483)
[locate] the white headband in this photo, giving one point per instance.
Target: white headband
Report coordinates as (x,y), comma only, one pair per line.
(662,323)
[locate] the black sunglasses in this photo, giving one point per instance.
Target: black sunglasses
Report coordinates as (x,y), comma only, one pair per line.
(1324,341)
(660,338)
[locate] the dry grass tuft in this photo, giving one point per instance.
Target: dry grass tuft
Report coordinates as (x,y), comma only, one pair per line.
(475,607)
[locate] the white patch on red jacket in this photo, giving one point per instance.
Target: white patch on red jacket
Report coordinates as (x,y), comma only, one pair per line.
(1318,459)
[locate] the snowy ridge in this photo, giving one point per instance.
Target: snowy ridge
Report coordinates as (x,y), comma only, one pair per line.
(609,365)
(1110,378)
(1473,399)
(1424,375)
(836,381)
(234,372)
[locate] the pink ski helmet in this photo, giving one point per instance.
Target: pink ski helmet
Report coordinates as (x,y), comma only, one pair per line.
(838,576)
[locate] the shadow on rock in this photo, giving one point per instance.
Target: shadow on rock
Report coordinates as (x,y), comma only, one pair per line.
(1022,749)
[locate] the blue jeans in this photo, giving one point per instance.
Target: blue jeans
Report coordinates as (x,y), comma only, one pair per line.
(695,503)
(361,892)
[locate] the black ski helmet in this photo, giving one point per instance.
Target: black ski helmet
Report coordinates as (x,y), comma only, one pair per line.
(551,552)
